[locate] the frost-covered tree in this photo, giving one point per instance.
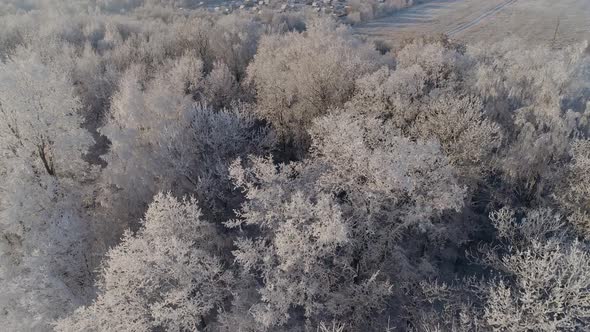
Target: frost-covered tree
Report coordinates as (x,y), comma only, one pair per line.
(549,292)
(574,195)
(45,241)
(234,41)
(162,140)
(329,227)
(539,281)
(299,76)
(517,104)
(164,277)
(466,136)
(146,127)
(422,98)
(527,91)
(95,82)
(361,11)
(547,276)
(221,87)
(41,120)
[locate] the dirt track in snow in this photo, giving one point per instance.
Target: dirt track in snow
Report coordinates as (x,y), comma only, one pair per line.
(558,23)
(478,20)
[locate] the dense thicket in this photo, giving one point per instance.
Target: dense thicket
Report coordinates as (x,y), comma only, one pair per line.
(177,170)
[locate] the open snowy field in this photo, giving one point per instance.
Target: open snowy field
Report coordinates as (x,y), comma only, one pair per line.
(535,21)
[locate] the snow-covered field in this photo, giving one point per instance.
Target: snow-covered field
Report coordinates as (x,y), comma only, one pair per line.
(534,21)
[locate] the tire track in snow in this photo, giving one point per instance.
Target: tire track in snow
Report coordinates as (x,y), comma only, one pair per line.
(479,19)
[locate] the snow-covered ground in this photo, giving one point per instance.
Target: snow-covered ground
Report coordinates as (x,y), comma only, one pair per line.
(534,21)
